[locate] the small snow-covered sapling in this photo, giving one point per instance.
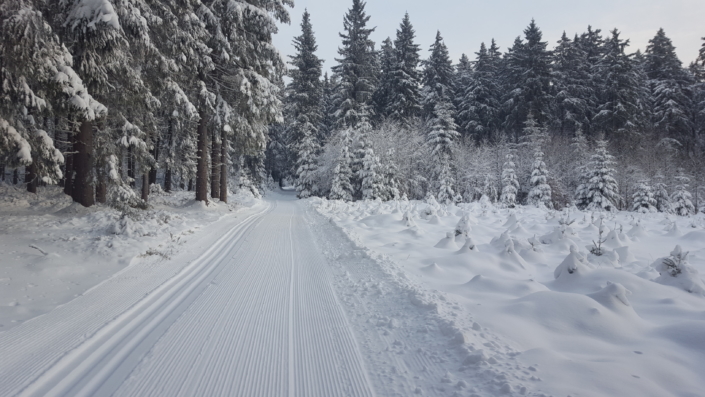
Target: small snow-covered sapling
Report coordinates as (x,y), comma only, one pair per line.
(674,263)
(597,245)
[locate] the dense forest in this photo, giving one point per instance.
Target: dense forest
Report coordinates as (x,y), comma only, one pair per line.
(113,98)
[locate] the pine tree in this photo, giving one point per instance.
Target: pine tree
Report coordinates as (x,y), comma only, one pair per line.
(371,180)
(600,189)
(355,69)
(382,97)
(571,85)
(304,100)
(592,45)
(480,106)
(540,192)
(446,192)
(669,84)
(643,198)
(38,83)
(681,198)
(619,107)
(579,170)
(327,108)
(663,200)
(510,184)
(406,84)
(342,174)
(528,71)
(389,175)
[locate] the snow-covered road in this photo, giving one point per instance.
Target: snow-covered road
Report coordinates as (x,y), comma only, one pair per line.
(254,314)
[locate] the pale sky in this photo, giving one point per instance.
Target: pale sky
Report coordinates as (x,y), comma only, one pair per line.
(464,24)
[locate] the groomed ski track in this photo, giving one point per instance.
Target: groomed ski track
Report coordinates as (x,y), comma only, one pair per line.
(254,313)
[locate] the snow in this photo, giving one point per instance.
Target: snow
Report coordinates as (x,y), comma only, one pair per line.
(55,250)
(314,297)
(530,282)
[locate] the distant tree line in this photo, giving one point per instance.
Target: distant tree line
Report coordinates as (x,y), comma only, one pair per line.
(530,125)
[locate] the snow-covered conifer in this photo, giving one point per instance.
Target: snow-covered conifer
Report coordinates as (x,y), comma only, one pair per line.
(540,192)
(619,109)
(681,199)
(669,84)
(663,199)
(643,198)
(355,69)
(304,101)
(446,183)
(341,188)
(510,184)
(480,107)
(528,75)
(600,189)
(370,177)
(406,82)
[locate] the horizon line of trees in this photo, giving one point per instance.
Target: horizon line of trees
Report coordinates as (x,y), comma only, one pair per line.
(516,127)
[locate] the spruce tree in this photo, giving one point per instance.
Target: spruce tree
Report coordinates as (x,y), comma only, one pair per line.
(370,177)
(304,100)
(643,198)
(355,69)
(342,174)
(670,85)
(406,84)
(510,184)
(571,86)
(480,106)
(681,199)
(385,88)
(540,192)
(663,200)
(619,109)
(600,189)
(528,72)
(39,83)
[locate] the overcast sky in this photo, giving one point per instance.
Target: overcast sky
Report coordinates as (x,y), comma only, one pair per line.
(464,24)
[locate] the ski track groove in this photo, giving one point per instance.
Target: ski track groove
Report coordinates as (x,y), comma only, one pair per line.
(55,341)
(280,332)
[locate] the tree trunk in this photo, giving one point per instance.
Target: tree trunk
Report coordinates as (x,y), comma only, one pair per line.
(167,173)
(2,171)
(101,190)
(167,180)
(153,170)
(130,166)
(30,178)
(215,167)
(83,163)
(223,168)
(190,185)
(15,177)
(145,186)
(202,164)
(68,175)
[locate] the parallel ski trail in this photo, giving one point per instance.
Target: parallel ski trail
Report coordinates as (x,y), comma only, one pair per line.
(31,353)
(256,314)
(270,326)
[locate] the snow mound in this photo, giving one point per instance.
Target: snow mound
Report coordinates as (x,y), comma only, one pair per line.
(675,271)
(448,242)
(614,297)
(573,265)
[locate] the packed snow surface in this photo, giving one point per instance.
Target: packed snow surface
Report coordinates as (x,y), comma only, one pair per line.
(286,297)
